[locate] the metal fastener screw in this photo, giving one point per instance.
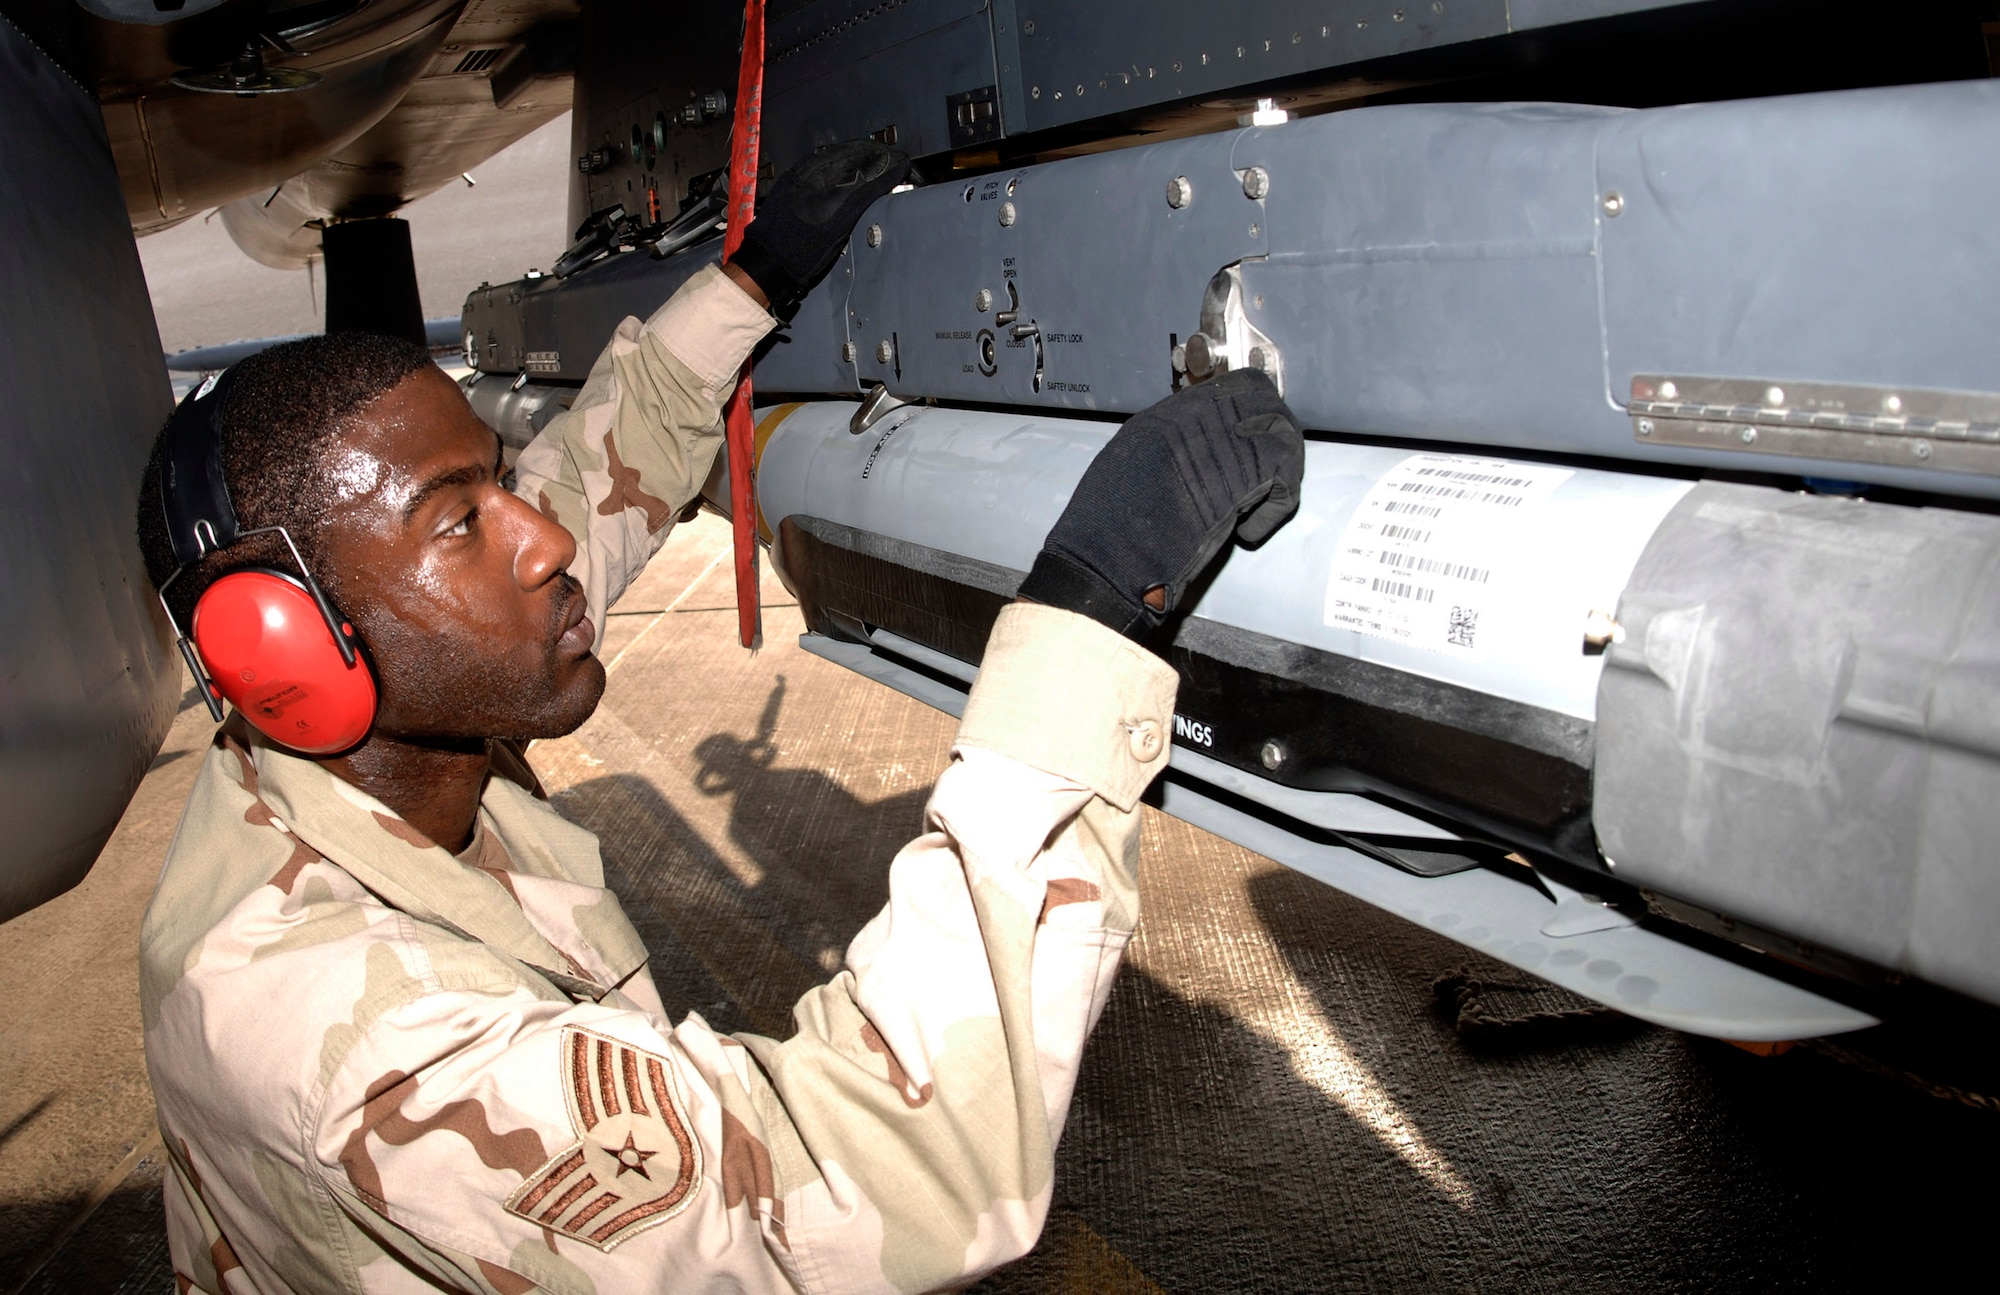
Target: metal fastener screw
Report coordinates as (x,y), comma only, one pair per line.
(1256,182)
(1892,404)
(1028,27)
(1035,92)
(1668,391)
(1007,213)
(1398,15)
(984,301)
(1645,427)
(874,236)
(1749,435)
(1362,25)
(1273,754)
(1614,202)
(847,352)
(1774,397)
(1922,449)
(885,351)
(1180,192)
(1258,300)
(1256,230)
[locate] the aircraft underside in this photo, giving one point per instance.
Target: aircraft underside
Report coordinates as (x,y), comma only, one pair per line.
(1638,627)
(1635,628)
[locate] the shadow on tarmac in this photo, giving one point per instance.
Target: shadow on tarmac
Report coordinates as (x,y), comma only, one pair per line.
(1274,1095)
(1200,1154)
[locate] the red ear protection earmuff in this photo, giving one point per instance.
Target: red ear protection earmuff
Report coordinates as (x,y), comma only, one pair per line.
(269,652)
(268,642)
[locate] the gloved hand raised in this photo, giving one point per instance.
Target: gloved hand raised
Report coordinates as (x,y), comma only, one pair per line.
(1164,495)
(806,217)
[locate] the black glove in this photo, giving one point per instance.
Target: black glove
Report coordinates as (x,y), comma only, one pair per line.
(802,223)
(1162,497)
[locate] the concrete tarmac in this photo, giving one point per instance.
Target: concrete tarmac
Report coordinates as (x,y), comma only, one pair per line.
(1274,1101)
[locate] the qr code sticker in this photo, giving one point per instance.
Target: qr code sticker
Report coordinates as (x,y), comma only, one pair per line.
(1464,624)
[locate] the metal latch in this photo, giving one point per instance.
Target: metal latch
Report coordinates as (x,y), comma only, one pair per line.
(1228,340)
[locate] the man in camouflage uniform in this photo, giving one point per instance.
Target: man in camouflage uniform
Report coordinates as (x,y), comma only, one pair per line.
(402,1038)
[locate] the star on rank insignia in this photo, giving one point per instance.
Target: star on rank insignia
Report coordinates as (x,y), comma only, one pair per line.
(634,1164)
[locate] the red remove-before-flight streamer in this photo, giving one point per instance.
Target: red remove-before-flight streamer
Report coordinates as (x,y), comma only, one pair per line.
(739,423)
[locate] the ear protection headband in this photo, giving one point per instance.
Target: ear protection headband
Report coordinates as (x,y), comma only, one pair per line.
(267,641)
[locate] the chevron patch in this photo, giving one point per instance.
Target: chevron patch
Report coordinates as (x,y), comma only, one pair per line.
(634,1165)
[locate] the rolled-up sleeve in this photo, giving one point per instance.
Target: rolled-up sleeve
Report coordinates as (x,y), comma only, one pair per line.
(634,448)
(930,1079)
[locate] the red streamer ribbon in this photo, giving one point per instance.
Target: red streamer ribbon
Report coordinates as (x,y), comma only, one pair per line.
(739,425)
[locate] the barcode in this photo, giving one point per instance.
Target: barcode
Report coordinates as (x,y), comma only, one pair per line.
(1442,491)
(1410,533)
(1409,509)
(1464,625)
(1436,567)
(1477,478)
(1397,589)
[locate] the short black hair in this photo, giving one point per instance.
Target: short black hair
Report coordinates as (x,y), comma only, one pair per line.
(285,405)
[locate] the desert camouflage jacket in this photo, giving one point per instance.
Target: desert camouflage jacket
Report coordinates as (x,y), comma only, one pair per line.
(383,1067)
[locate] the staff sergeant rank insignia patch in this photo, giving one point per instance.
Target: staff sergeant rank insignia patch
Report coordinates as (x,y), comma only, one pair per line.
(634,1164)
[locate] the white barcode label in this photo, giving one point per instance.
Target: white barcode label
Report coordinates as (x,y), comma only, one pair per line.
(1434,548)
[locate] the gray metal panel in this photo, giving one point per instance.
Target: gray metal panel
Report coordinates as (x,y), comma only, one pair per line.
(90,681)
(569,321)
(492,316)
(1801,726)
(1833,237)
(1433,272)
(1441,272)
(1104,268)
(1527,15)
(1081,61)
(807,356)
(810,40)
(910,57)
(1631,968)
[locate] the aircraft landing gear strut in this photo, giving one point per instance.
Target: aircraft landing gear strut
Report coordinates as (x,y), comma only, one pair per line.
(371,279)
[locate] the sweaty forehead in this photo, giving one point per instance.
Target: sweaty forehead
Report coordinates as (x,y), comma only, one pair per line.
(390,448)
